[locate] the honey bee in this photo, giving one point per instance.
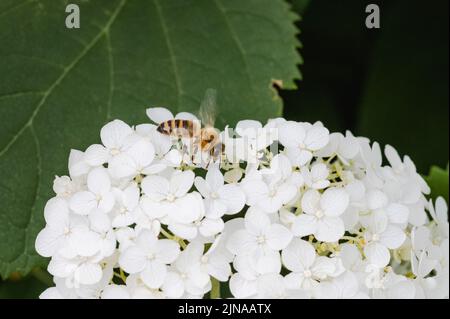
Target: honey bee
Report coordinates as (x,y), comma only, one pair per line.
(205,138)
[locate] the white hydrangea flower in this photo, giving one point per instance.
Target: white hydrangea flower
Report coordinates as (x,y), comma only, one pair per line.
(220,199)
(260,237)
(141,217)
(321,214)
(149,257)
(307,269)
(301,140)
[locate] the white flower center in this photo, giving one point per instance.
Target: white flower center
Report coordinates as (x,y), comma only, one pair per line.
(375,237)
(66,230)
(151,256)
(214,195)
(272,193)
(170,197)
(261,239)
(302,145)
(319,214)
(98,197)
(183,275)
(378,284)
(204,259)
(114,151)
(307,273)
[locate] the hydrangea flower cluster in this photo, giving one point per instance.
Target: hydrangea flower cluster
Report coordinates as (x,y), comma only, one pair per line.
(287,211)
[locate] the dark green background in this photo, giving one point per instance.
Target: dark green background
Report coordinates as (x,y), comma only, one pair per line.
(389,84)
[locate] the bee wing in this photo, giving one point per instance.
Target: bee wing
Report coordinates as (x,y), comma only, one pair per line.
(208,108)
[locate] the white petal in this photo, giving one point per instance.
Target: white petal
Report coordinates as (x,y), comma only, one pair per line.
(393,237)
(154,274)
(291,134)
(266,262)
(83,202)
(397,213)
(131,196)
(133,260)
(219,268)
(142,152)
(155,187)
(188,208)
(48,241)
(376,199)
(214,178)
(96,155)
(106,202)
(61,267)
(85,242)
(256,221)
(185,231)
(168,250)
(181,182)
(329,229)
(377,254)
(298,256)
(77,164)
(323,267)
(88,274)
(334,201)
(173,285)
(154,209)
(98,181)
(51,293)
(304,225)
(115,292)
(316,138)
(255,191)
(202,186)
(242,288)
(310,202)
(99,221)
(402,290)
(392,156)
(211,227)
(441,210)
(241,242)
(56,212)
(159,114)
(122,165)
(233,197)
(114,133)
(278,236)
(186,116)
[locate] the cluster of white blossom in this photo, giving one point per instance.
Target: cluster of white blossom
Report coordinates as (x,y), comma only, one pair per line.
(320,217)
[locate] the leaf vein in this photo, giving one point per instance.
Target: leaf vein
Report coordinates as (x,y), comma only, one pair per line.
(66,71)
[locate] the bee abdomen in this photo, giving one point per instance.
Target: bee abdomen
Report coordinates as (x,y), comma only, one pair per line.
(176,127)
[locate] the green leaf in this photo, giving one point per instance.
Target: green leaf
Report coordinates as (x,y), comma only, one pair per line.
(22,287)
(300,6)
(405,103)
(437,179)
(59,85)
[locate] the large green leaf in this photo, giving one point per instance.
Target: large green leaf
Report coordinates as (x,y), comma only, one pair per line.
(59,86)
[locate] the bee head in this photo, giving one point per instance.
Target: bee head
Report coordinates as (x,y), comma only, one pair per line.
(209,134)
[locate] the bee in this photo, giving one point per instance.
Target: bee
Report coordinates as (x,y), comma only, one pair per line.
(205,138)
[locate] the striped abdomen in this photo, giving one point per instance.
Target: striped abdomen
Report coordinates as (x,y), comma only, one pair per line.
(177,127)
